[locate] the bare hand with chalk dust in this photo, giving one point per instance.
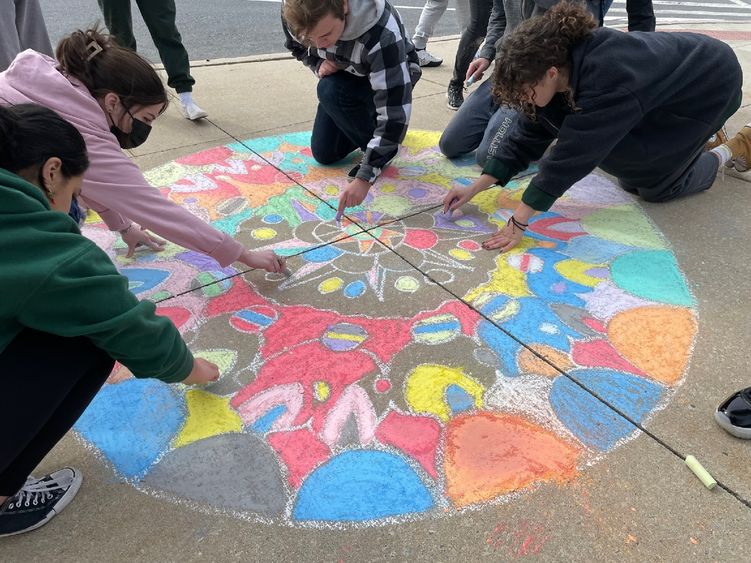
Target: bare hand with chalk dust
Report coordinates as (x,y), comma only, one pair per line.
(263,260)
(202,372)
(353,195)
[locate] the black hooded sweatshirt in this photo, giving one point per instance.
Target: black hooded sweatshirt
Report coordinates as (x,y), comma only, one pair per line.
(646,105)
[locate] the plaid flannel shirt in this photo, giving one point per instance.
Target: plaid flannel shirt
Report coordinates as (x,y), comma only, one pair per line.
(386,56)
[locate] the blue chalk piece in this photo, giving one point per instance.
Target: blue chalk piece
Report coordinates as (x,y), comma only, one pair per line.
(132,423)
(264,424)
(322,254)
(361,485)
(144,279)
(589,419)
(458,399)
(354,289)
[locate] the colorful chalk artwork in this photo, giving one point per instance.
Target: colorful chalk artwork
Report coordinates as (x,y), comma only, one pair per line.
(359,390)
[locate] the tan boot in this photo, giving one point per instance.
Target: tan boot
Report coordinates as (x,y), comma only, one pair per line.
(740,146)
(716,140)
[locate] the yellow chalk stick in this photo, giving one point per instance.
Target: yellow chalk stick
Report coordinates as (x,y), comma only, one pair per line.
(700,472)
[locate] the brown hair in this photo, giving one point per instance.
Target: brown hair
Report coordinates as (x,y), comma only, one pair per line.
(535,46)
(94,58)
(303,15)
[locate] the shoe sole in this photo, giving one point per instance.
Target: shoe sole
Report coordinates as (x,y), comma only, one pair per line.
(724,422)
(452,108)
(431,64)
(61,504)
(197,117)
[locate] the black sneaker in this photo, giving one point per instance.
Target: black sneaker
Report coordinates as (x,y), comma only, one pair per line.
(455,95)
(734,414)
(38,501)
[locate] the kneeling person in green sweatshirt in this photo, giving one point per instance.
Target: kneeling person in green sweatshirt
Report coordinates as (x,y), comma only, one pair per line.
(66,315)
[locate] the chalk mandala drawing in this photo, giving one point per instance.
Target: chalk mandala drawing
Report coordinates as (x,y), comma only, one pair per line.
(361,389)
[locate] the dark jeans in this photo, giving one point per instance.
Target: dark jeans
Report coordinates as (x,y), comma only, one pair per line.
(48,381)
(159,16)
(472,36)
(346,117)
(641,15)
(697,177)
(479,124)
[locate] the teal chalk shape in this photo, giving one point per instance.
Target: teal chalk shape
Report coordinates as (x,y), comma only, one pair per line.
(360,485)
(653,275)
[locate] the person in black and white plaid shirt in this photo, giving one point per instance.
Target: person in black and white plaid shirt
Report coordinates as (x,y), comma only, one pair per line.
(367,68)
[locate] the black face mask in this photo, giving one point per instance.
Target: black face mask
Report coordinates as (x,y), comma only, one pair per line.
(137,136)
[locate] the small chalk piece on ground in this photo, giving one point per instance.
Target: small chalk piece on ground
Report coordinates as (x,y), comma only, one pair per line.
(700,472)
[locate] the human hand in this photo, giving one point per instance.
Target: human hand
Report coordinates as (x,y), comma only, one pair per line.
(457,196)
(203,372)
(508,237)
(354,194)
(264,260)
(477,68)
(135,236)
(327,67)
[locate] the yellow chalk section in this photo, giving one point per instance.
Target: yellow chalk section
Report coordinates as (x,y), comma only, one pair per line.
(700,472)
(208,415)
(575,270)
(505,279)
(322,390)
(345,336)
(425,389)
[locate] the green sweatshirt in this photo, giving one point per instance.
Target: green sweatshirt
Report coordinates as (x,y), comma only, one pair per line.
(55,280)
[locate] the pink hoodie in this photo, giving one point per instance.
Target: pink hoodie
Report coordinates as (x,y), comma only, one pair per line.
(113,185)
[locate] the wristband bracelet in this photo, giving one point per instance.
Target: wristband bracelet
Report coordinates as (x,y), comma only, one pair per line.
(518,224)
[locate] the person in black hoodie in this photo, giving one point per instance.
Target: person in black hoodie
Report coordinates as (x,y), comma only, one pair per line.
(640,106)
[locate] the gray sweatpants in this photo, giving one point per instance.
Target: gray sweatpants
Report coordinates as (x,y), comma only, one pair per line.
(431,13)
(21,27)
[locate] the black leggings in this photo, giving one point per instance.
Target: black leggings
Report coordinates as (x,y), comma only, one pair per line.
(47,381)
(472,36)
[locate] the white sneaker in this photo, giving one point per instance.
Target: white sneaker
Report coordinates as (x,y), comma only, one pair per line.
(192,111)
(426,59)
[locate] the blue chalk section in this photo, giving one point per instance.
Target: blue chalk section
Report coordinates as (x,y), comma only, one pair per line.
(132,423)
(502,346)
(266,144)
(264,424)
(361,485)
(430,328)
(354,289)
(537,323)
(594,250)
(273,219)
(255,318)
(652,275)
(458,399)
(144,279)
(595,424)
(549,285)
(322,254)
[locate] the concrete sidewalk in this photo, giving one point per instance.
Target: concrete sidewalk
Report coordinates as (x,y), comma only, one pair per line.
(638,503)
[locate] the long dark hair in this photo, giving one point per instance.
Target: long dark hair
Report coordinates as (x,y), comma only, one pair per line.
(535,46)
(94,58)
(31,134)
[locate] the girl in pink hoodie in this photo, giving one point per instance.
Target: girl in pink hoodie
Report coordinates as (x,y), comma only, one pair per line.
(112,95)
